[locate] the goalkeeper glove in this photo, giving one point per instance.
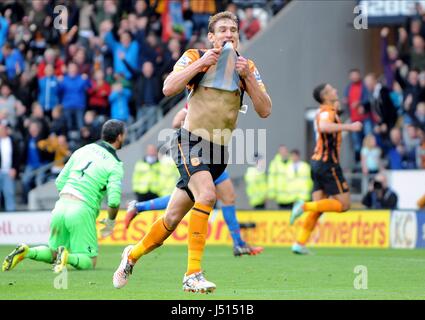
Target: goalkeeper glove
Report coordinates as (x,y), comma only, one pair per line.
(109,227)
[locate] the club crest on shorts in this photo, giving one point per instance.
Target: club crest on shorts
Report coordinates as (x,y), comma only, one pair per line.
(195,162)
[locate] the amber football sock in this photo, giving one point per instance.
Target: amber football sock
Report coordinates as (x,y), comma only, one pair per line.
(198,227)
(325,205)
(308,227)
(156,235)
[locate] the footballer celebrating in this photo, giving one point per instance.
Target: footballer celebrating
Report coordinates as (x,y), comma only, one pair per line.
(217,78)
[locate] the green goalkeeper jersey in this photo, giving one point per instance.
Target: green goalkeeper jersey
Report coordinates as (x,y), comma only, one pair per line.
(90,173)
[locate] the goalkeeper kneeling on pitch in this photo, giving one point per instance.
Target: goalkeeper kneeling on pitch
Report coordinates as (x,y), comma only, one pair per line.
(91,172)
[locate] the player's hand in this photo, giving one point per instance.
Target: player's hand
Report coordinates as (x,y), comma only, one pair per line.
(399,63)
(108,229)
(385,32)
(242,67)
(356,126)
(211,57)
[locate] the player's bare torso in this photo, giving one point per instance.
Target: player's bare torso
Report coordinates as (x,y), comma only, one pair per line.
(211,112)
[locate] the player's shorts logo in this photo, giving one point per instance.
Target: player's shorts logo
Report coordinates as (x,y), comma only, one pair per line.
(195,162)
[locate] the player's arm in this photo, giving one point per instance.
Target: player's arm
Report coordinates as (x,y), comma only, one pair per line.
(64,174)
(179,78)
(113,188)
(331,127)
(179,118)
(254,87)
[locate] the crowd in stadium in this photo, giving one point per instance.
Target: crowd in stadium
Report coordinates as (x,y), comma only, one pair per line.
(64,73)
(392,106)
(59,84)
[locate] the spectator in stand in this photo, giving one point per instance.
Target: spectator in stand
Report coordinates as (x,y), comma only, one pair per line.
(119,100)
(80,61)
(397,97)
(398,156)
(420,151)
(411,89)
(142,9)
(356,98)
(389,56)
(12,63)
(249,25)
(411,140)
(370,156)
(26,88)
(86,20)
(19,129)
(58,146)
(48,96)
(37,114)
(33,159)
(105,10)
(99,93)
(172,54)
(4,28)
(383,112)
(415,53)
(91,131)
(419,117)
(7,103)
(73,89)
(50,57)
(202,10)
(58,125)
(126,46)
(380,196)
(147,93)
(9,166)
(154,51)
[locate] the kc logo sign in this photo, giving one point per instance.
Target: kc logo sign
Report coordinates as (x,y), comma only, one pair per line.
(403,229)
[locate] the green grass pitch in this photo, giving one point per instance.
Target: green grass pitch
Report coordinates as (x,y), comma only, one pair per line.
(274,275)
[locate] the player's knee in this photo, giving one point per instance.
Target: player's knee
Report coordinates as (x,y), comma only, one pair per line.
(207,197)
(172,219)
(228,199)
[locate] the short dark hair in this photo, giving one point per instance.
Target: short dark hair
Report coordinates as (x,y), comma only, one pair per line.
(111,129)
(318,91)
(296,151)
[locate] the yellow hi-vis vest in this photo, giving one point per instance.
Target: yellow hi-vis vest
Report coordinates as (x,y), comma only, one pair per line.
(300,181)
(256,186)
(146,177)
(169,176)
(279,188)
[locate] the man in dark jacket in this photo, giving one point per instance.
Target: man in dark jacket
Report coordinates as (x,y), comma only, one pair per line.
(384,113)
(380,196)
(147,94)
(33,158)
